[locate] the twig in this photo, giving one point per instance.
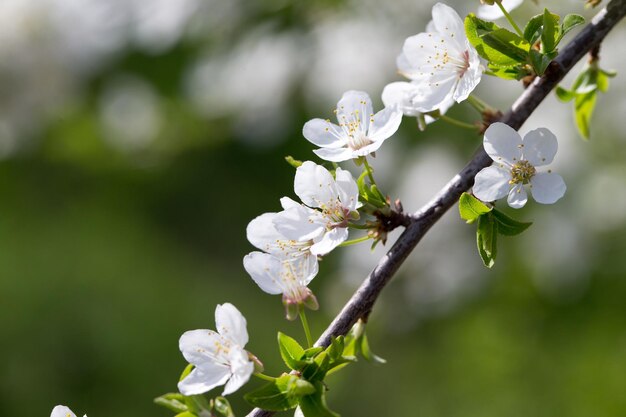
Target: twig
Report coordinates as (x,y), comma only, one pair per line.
(362,301)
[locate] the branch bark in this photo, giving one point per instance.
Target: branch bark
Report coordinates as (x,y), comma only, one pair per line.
(362,301)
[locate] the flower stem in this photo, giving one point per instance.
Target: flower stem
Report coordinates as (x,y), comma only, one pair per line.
(478,104)
(305,326)
(264,377)
(510,19)
(370,175)
(354,241)
(359,226)
(458,123)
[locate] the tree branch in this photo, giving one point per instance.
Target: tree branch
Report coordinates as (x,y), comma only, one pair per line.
(362,301)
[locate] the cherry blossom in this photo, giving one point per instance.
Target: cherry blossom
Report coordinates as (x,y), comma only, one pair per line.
(407,97)
(360,132)
(441,63)
(62,411)
(515,165)
(493,12)
(288,277)
(329,204)
(218,357)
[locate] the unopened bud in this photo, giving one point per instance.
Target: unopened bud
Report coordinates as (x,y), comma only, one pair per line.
(258,365)
(310,302)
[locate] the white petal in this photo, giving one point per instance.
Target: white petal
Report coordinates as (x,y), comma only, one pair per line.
(334,155)
(517,196)
(62,411)
(355,105)
(264,270)
(302,269)
(241,368)
(503,144)
(449,24)
(199,347)
(405,67)
(262,233)
(547,187)
(323,133)
(200,381)
(299,223)
(330,241)
(401,94)
(231,324)
(314,185)
(385,123)
(287,203)
(347,188)
(492,183)
(493,12)
(470,78)
(441,89)
(540,146)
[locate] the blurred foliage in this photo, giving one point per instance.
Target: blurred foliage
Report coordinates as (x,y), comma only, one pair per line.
(107,255)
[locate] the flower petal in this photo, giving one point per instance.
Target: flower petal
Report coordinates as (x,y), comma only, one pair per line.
(314,185)
(355,106)
(231,324)
(262,233)
(264,270)
(330,241)
(241,368)
(299,224)
(323,133)
(517,196)
(62,411)
(287,203)
(449,24)
(199,347)
(334,155)
(202,380)
(401,94)
(347,189)
(540,146)
(493,12)
(503,144)
(491,183)
(547,187)
(384,123)
(471,77)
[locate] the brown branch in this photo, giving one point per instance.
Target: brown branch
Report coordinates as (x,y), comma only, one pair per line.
(362,301)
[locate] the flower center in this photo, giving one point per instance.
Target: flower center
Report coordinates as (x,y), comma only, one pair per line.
(336,215)
(358,140)
(522,172)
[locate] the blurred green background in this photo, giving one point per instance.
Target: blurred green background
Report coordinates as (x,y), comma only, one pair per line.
(137,140)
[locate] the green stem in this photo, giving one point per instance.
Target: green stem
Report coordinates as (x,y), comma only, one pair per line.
(477,103)
(510,19)
(264,377)
(370,175)
(458,123)
(354,241)
(359,226)
(305,326)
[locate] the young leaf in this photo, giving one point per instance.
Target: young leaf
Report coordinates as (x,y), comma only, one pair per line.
(222,406)
(551,31)
(317,369)
(583,110)
(335,350)
(186,414)
(508,73)
(315,405)
(570,21)
(290,351)
(532,31)
(508,226)
(172,401)
(281,394)
(498,46)
(539,61)
(564,94)
(486,239)
(471,208)
(367,352)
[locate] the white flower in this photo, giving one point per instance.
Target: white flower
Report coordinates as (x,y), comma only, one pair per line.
(359,133)
(441,63)
(218,357)
(288,277)
(407,97)
(62,411)
(329,204)
(515,165)
(493,12)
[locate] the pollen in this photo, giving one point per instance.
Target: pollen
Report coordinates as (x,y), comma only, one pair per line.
(522,172)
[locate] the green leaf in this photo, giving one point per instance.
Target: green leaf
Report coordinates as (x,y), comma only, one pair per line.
(564,94)
(486,239)
(291,352)
(367,352)
(222,406)
(317,369)
(551,31)
(570,21)
(471,208)
(508,226)
(315,405)
(499,46)
(186,414)
(583,110)
(311,352)
(172,401)
(335,350)
(539,61)
(281,394)
(508,73)
(532,31)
